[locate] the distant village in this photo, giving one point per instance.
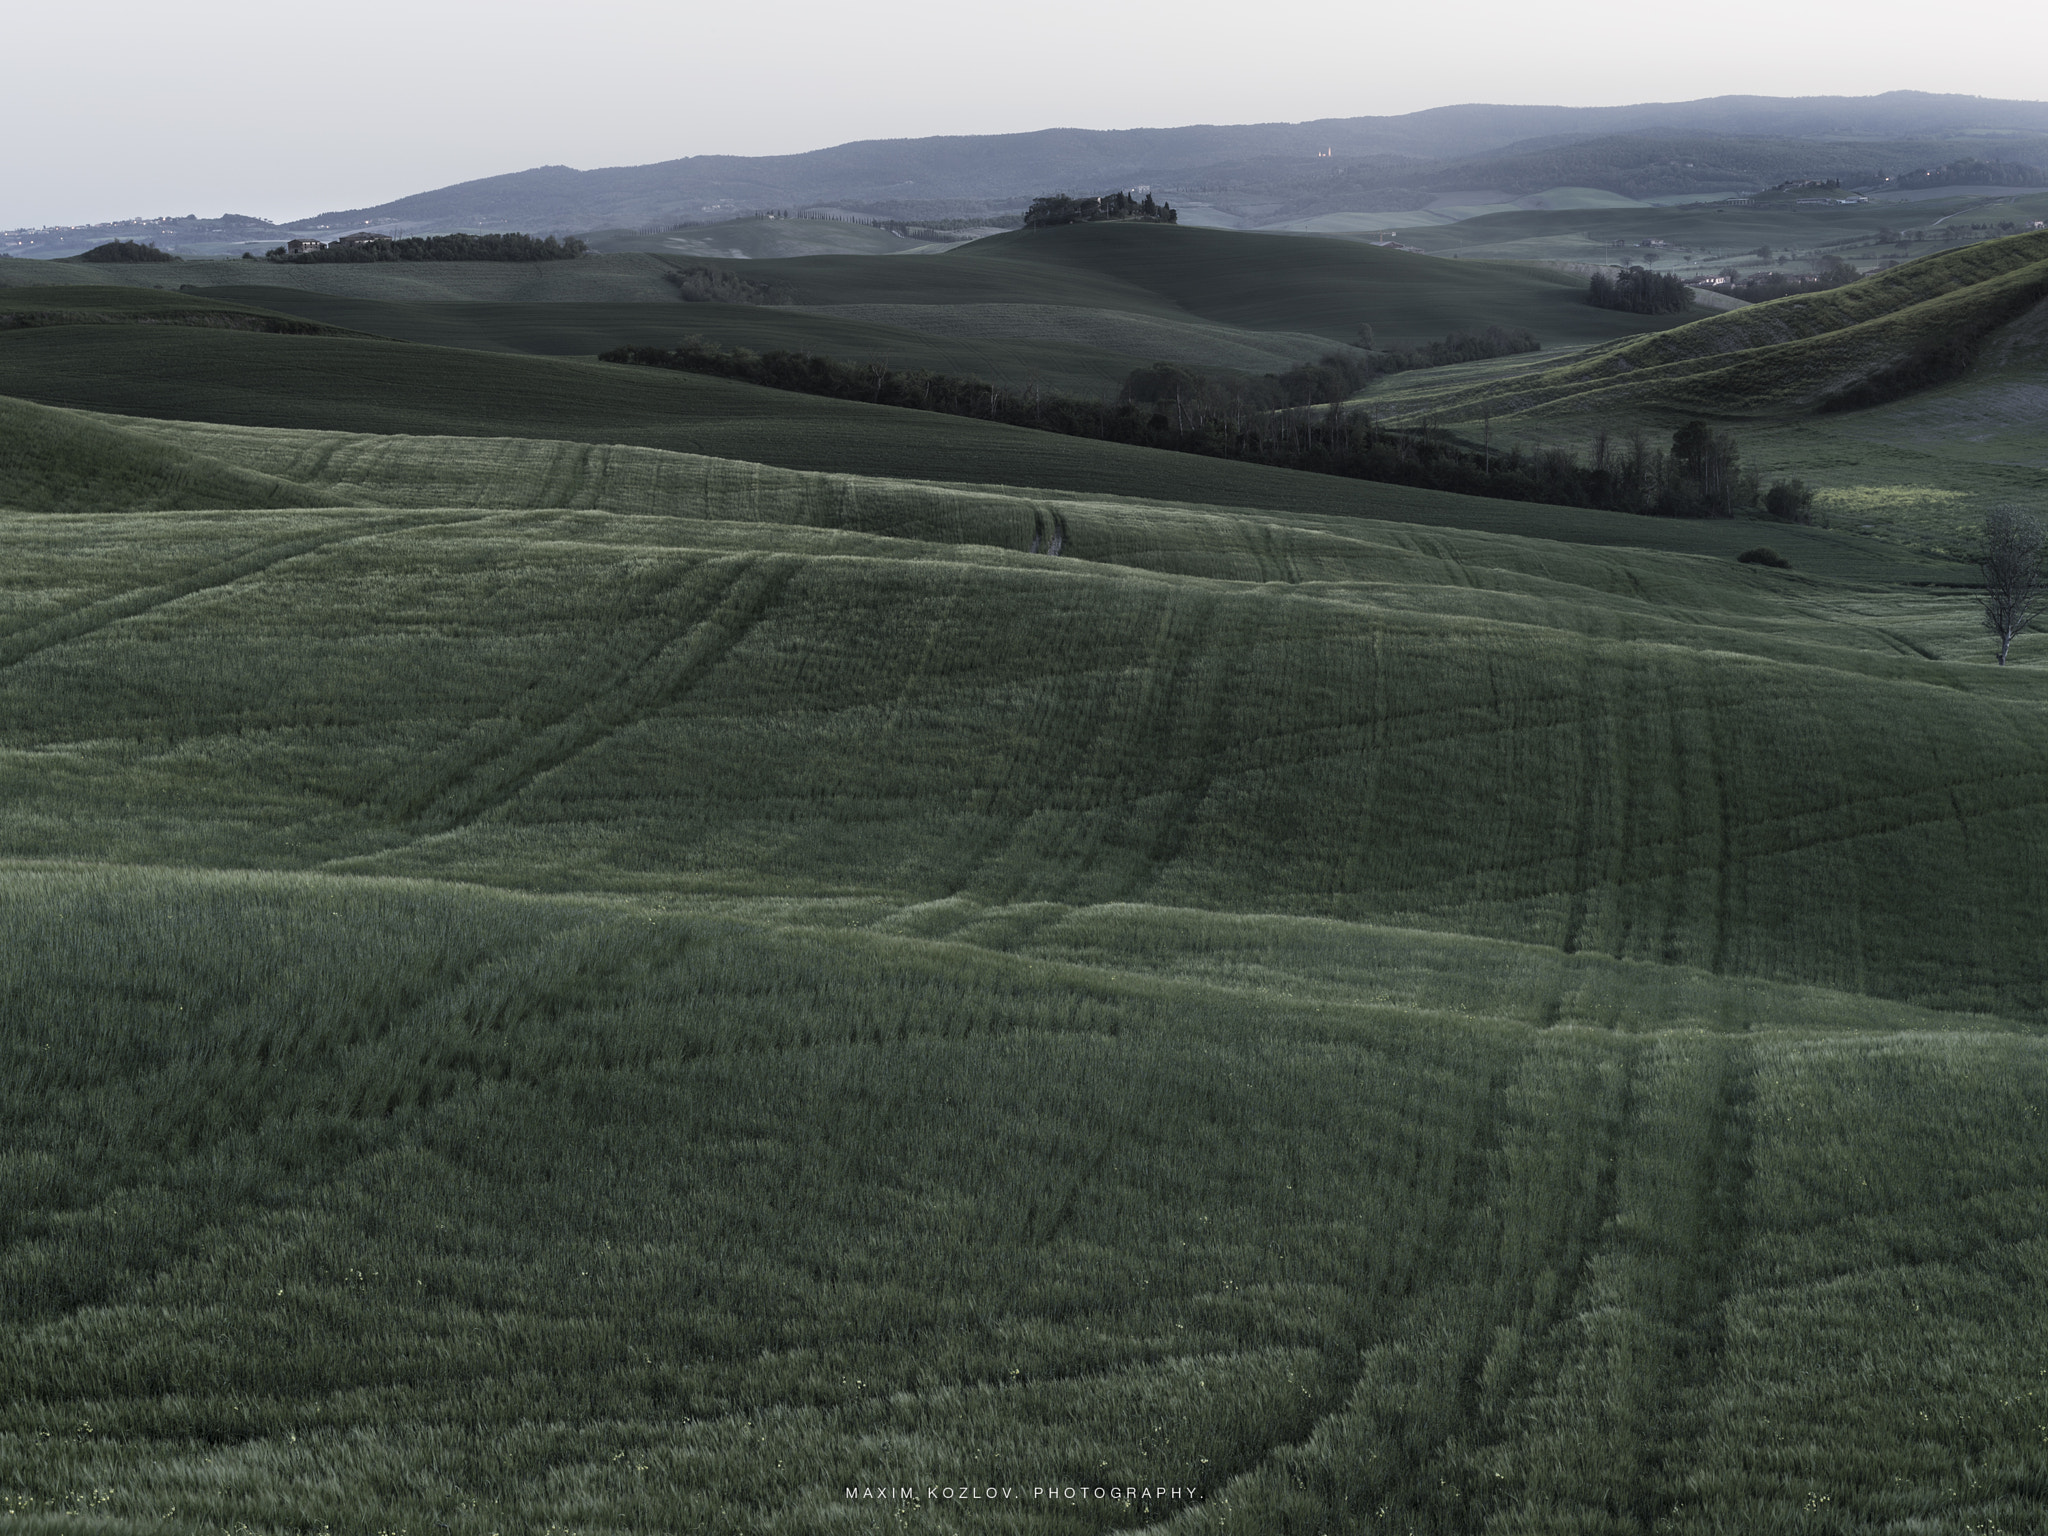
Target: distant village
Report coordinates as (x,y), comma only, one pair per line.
(304,244)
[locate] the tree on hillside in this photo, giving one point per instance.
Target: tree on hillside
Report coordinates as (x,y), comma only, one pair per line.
(125,251)
(506,246)
(1639,291)
(2015,587)
(1789,501)
(1057,208)
(1707,468)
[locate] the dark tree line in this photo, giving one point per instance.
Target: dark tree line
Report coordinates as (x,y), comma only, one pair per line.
(498,247)
(1762,286)
(714,285)
(1968,172)
(125,251)
(1058,208)
(1332,377)
(1640,292)
(1181,410)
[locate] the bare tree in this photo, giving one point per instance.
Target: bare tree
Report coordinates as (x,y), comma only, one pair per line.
(2015,586)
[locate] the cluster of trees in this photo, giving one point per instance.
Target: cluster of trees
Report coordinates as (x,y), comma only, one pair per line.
(1834,273)
(1460,347)
(712,285)
(1640,292)
(1058,208)
(125,251)
(499,247)
(1789,501)
(1184,411)
(1973,173)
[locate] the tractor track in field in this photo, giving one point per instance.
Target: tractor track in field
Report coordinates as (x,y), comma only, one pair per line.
(1174,654)
(1628,1227)
(1200,700)
(1585,802)
(47,634)
(664,665)
(1723,1174)
(1408,1450)
(1064,1213)
(981,866)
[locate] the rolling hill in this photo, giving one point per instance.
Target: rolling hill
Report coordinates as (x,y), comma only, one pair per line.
(33,306)
(590,948)
(1910,399)
(770,235)
(1254,282)
(375,386)
(1864,344)
(1224,298)
(554,984)
(991,349)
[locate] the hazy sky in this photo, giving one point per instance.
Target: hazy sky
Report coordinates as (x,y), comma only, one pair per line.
(136,107)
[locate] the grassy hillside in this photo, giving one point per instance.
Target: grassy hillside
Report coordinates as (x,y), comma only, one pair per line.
(1085,351)
(1317,286)
(62,461)
(1326,287)
(1796,354)
(584,330)
(389,387)
(619,279)
(1074,308)
(1911,398)
(596,989)
(759,238)
(1710,230)
(105,304)
(1706,239)
(1073,328)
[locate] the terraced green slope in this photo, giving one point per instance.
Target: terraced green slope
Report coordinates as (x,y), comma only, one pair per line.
(599,989)
(1864,344)
(1699,232)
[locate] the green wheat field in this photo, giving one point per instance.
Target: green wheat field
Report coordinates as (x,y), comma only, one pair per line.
(585,950)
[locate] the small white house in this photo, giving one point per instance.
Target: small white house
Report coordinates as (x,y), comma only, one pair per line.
(300,247)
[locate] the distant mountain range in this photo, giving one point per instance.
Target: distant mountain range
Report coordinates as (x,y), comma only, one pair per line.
(1268,171)
(1253,175)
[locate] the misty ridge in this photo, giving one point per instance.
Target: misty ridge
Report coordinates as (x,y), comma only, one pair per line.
(1248,175)
(1262,172)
